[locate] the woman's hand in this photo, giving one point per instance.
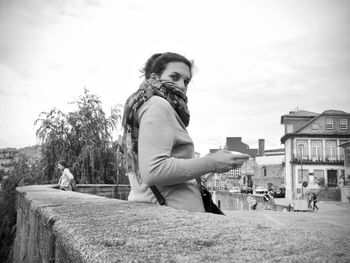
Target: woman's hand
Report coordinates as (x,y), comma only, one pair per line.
(226,161)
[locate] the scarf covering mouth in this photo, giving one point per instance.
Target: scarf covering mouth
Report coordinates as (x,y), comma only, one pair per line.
(149,88)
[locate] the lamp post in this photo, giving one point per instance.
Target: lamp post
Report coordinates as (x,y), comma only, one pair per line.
(301,146)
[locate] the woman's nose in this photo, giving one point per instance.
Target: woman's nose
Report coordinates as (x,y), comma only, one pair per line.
(181,83)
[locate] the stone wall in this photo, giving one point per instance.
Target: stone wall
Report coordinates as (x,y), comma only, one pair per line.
(330,194)
(107,190)
(37,238)
(64,226)
(345,194)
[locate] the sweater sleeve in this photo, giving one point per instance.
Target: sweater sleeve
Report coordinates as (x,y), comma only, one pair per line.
(157,137)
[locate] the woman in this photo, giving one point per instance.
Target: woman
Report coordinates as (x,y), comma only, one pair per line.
(66,178)
(159,150)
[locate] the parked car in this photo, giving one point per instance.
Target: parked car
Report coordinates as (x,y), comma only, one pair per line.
(279,192)
(235,190)
(246,190)
(260,190)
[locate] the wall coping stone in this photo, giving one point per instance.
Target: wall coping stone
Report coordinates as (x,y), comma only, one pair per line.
(88,228)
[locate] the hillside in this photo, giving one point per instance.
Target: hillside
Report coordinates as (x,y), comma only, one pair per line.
(33,153)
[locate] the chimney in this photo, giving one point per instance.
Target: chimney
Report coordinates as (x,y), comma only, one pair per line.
(261,147)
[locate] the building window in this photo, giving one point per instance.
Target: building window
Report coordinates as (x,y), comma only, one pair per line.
(331,150)
(237,172)
(342,151)
(217,183)
(343,124)
(302,146)
(319,176)
(315,126)
(316,150)
(329,124)
(347,156)
(264,171)
(305,176)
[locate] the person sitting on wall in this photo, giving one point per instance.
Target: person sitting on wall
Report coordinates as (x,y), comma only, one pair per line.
(66,178)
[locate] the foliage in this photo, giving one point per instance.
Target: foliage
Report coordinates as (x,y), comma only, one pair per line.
(321,182)
(24,173)
(83,139)
(2,173)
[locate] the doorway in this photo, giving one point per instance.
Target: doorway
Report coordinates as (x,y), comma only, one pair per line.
(332,178)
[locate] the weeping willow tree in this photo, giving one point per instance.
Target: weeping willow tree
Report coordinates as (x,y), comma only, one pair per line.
(83,138)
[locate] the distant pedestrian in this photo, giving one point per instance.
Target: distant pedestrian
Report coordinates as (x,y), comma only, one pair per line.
(255,203)
(314,201)
(251,202)
(67,178)
(309,200)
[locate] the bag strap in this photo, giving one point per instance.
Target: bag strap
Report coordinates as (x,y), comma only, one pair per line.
(158,195)
(161,198)
(200,185)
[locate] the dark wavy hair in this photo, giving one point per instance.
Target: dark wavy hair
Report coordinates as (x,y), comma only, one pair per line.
(158,62)
(63,163)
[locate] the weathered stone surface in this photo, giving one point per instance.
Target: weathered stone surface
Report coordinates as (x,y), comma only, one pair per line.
(59,226)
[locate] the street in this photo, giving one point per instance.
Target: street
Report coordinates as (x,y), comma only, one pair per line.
(331,218)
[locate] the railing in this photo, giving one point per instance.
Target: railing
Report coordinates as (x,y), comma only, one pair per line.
(307,160)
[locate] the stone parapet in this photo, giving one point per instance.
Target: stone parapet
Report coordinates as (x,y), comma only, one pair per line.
(106,190)
(64,226)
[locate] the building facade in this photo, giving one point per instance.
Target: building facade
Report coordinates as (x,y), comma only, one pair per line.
(313,157)
(269,170)
(239,177)
(8,158)
(346,148)
(236,144)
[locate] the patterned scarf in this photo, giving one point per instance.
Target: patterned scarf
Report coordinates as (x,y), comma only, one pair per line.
(165,89)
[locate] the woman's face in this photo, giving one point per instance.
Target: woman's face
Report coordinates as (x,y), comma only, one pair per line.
(59,166)
(178,73)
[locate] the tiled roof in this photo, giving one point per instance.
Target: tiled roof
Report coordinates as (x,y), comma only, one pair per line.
(334,112)
(315,117)
(302,113)
(299,114)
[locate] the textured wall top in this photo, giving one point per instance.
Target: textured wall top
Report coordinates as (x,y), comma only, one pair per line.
(98,229)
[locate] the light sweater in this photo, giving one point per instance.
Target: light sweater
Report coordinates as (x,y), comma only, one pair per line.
(65,179)
(166,159)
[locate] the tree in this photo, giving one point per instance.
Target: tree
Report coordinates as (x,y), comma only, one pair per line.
(24,173)
(53,131)
(82,138)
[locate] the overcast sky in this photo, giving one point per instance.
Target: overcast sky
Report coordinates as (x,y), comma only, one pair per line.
(255,60)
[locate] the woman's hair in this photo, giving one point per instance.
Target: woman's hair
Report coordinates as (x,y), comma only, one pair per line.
(158,62)
(63,163)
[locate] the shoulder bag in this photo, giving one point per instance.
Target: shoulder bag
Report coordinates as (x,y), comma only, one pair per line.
(209,205)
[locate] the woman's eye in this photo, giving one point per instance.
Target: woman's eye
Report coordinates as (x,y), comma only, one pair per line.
(175,78)
(186,82)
